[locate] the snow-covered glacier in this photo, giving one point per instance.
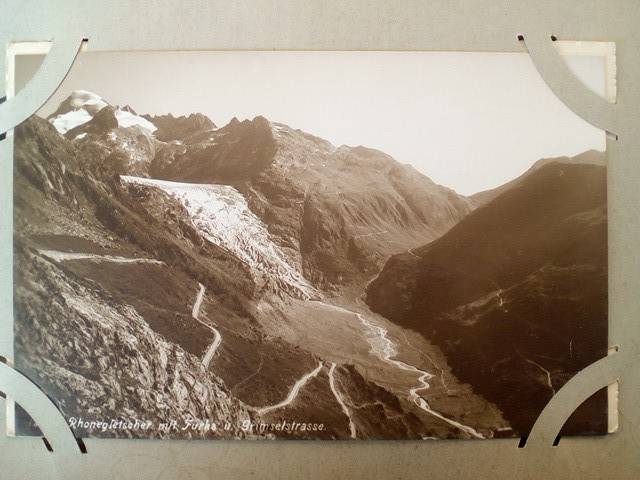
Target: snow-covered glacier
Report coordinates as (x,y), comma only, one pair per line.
(221,215)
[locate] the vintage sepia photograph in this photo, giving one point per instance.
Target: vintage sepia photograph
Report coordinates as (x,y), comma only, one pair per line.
(309,245)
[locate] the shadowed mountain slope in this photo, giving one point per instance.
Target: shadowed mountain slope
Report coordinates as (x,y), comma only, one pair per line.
(516,293)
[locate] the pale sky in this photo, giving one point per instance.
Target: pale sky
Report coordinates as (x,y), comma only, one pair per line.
(469,121)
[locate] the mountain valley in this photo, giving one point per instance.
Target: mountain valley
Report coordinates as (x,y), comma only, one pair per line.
(168,269)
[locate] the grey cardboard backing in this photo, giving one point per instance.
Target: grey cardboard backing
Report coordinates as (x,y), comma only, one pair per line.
(468,25)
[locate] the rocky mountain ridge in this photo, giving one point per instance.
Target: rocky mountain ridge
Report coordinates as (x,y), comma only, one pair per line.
(337,211)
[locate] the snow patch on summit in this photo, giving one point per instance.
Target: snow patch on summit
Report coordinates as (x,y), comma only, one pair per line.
(70,120)
(84,105)
(90,101)
(128,119)
(221,214)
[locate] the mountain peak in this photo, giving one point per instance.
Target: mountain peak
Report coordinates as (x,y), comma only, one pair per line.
(86,98)
(172,128)
(101,123)
(78,108)
(261,120)
(81,106)
(128,108)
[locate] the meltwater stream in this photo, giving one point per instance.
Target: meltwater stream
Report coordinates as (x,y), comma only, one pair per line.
(385,349)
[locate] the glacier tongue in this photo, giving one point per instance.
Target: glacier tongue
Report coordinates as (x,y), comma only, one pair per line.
(221,214)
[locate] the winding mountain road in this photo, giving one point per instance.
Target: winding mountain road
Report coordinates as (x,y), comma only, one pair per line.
(293,393)
(62,256)
(345,409)
(217,338)
(385,349)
